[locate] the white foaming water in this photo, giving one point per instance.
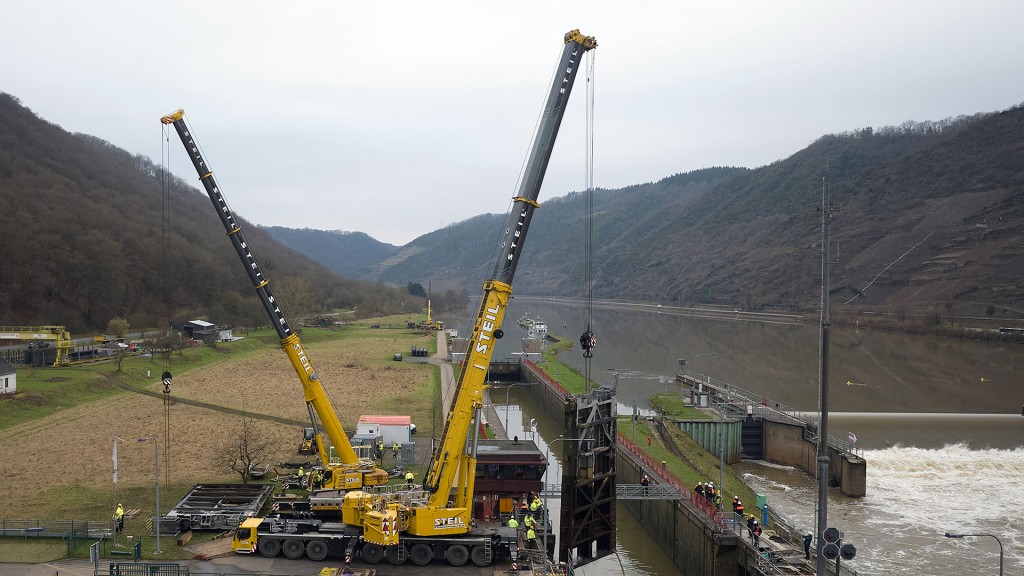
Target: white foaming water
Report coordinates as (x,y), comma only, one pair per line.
(914,496)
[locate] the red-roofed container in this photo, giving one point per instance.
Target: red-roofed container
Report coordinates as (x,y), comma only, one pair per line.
(391,428)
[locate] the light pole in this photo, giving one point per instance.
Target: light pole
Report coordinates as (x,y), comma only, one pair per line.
(635,411)
(705,354)
(954,535)
(558,366)
(721,431)
(115,469)
(507,406)
(156,480)
(547,512)
(721,453)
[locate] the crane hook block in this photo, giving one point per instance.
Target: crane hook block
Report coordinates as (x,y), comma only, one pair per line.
(588,341)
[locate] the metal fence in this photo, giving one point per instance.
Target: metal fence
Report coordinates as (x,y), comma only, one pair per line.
(744,400)
(76,532)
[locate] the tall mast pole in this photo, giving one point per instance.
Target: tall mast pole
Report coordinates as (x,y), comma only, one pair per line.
(823,459)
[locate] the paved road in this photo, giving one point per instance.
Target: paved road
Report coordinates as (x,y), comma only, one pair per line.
(448,387)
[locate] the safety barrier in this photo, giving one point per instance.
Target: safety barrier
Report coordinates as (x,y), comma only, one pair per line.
(542,376)
(661,470)
(742,399)
(74,532)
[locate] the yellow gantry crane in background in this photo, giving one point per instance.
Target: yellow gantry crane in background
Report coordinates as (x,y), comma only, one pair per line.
(60,337)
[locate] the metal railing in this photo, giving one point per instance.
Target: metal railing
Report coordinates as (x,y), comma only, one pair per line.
(56,528)
(74,532)
(532,367)
(743,400)
(669,478)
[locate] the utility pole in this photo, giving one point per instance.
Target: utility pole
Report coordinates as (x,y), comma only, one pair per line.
(823,460)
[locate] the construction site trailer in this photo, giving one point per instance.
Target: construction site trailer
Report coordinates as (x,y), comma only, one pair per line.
(391,428)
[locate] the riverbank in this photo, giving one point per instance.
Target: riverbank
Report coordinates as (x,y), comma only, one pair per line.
(944,322)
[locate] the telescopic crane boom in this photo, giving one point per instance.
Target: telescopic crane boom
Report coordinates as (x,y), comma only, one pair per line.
(450,478)
(352,472)
(453,462)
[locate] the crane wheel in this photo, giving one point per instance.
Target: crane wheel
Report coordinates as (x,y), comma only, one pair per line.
(269,547)
(457,555)
(373,553)
(316,550)
(480,556)
(293,548)
(421,554)
(395,554)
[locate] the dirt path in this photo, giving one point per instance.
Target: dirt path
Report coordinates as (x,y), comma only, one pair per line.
(224,409)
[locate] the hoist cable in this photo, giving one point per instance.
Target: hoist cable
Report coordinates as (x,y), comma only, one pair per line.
(165,225)
(588,340)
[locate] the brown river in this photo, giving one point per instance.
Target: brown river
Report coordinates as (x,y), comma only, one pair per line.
(939,421)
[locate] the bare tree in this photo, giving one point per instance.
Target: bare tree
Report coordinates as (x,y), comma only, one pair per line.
(248,449)
(120,354)
(118,327)
(296,295)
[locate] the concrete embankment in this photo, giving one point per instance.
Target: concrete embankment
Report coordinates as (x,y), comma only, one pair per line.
(697,537)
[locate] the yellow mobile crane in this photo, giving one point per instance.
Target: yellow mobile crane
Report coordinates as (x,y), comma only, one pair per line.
(432,522)
(435,522)
(350,472)
(429,324)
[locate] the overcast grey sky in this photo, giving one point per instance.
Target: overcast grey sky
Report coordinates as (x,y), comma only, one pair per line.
(397,118)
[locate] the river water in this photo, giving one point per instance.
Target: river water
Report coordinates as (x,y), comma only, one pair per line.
(939,421)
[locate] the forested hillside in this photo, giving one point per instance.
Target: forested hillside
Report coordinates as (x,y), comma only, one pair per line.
(83,240)
(348,254)
(930,217)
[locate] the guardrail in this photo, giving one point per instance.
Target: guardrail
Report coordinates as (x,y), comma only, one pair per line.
(541,375)
(659,467)
(56,528)
(744,400)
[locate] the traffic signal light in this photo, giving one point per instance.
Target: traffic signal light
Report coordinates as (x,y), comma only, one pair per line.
(831,548)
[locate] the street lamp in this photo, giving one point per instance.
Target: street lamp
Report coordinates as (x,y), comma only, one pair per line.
(953,535)
(721,430)
(635,411)
(547,490)
(721,452)
(558,363)
(507,406)
(156,480)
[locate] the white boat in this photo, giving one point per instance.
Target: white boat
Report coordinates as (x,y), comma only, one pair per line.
(537,330)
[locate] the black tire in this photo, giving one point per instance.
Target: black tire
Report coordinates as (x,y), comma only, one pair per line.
(293,548)
(373,553)
(395,554)
(421,554)
(316,550)
(479,556)
(457,555)
(269,547)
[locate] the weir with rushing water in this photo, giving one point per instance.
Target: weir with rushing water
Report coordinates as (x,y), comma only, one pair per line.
(938,419)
